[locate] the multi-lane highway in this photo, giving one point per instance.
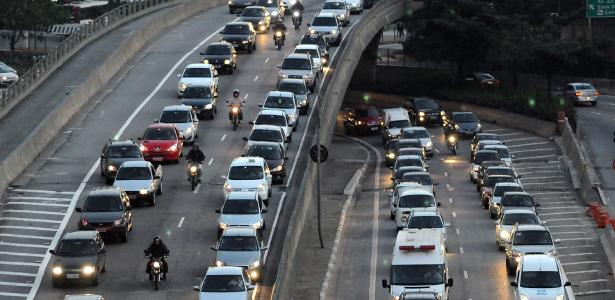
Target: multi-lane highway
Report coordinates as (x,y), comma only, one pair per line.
(35,208)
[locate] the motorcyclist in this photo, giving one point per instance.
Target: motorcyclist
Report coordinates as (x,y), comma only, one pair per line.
(279,26)
(236,101)
(298,6)
(157,250)
(196,156)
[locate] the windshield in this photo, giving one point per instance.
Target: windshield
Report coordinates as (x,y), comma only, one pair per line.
(267,3)
(410,201)
(159,134)
(277,120)
(240,207)
(312,40)
(408,163)
(197,72)
(266,136)
(523,219)
(423,103)
(218,49)
(236,29)
(76,248)
(223,284)
(266,151)
(492,180)
(501,189)
(483,156)
(366,112)
(103,204)
(245,173)
(399,124)
(124,152)
(253,12)
(5,70)
(540,279)
(296,64)
(532,237)
(312,52)
(175,116)
(297,88)
(417,274)
(194,92)
(464,118)
(518,200)
(425,222)
(133,173)
(409,144)
(238,243)
(279,102)
(423,179)
(324,21)
(334,5)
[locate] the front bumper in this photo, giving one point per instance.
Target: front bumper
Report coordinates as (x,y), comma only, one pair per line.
(161,156)
(586,98)
(73,275)
(108,228)
(137,196)
(245,45)
(279,175)
(429,119)
(468,132)
(355,7)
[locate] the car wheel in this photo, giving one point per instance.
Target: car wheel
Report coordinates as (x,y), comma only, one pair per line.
(159,190)
(392,216)
(230,70)
(211,115)
(500,247)
(124,236)
(109,180)
(95,281)
(509,268)
(152,200)
(254,45)
(102,171)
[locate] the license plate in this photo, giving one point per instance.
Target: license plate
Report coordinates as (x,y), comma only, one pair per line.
(102,229)
(433,117)
(217,66)
(72,276)
(157,158)
(374,129)
(132,197)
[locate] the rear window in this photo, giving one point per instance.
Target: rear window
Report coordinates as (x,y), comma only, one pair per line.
(266,135)
(366,112)
(501,189)
(133,173)
(584,87)
(324,21)
(483,156)
(522,219)
(415,134)
(334,5)
(410,201)
(245,173)
(197,92)
(124,152)
(266,151)
(425,222)
(253,12)
(267,3)
(223,284)
(312,52)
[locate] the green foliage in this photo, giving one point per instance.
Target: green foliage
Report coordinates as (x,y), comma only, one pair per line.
(18,16)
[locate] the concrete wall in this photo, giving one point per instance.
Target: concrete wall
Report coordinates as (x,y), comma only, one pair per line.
(31,147)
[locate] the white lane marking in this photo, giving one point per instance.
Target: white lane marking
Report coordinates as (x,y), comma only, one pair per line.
(561,207)
(39,198)
(559,213)
(545,193)
(461,250)
(572,247)
(522,139)
(37,204)
(560,219)
(581,263)
(542,177)
(531,150)
(437,151)
(582,272)
(374,259)
(454,215)
(181,222)
(580,239)
(450,200)
(445,173)
(23,245)
(594,112)
(211,160)
(457,231)
(28,228)
(576,254)
(21,254)
(30,220)
(267,60)
(196,188)
(223,137)
(543,183)
(18,263)
(25,236)
(494,130)
(245,97)
(512,133)
(528,144)
(275,222)
(256,78)
(9,283)
(40,191)
(41,269)
(593,280)
(543,171)
(592,292)
(465,275)
(17,274)
(448,186)
(535,157)
(39,212)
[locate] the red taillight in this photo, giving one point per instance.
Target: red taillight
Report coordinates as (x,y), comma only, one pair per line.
(406,248)
(578,94)
(84,222)
(597,93)
(427,247)
(420,248)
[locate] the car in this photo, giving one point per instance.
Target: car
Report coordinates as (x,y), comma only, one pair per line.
(275,8)
(161,142)
(9,68)
(79,256)
(274,117)
(225,283)
(266,133)
(241,209)
(299,66)
(355,6)
(141,180)
(202,99)
(481,146)
(409,143)
(526,239)
(484,166)
(487,184)
(238,5)
(8,76)
(410,160)
(427,220)
(365,119)
(221,55)
(540,277)
(399,188)
(84,297)
(317,39)
(258,16)
(424,111)
(421,134)
(274,155)
(510,217)
(399,173)
(516,200)
(412,151)
(184,118)
(578,93)
(503,153)
(479,158)
(481,78)
(107,211)
(114,153)
(249,174)
(339,8)
(286,102)
(241,247)
(326,24)
(417,198)
(299,88)
(394,120)
(495,200)
(481,136)
(422,178)
(412,294)
(239,34)
(314,51)
(198,74)
(502,170)
(462,124)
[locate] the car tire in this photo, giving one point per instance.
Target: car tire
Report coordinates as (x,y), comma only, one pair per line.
(211,115)
(96,280)
(102,171)
(159,189)
(254,45)
(249,49)
(109,180)
(392,216)
(152,200)
(230,71)
(124,236)
(491,214)
(500,247)
(104,268)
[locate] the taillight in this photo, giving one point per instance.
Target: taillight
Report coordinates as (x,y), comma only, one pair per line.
(578,94)
(84,222)
(597,93)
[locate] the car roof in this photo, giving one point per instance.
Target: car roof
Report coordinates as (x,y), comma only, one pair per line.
(579,83)
(507,184)
(180,107)
(212,271)
(500,176)
(280,94)
(531,227)
(239,231)
(122,143)
(500,167)
(414,128)
(247,161)
(161,125)
(294,80)
(266,127)
(80,235)
(409,168)
(325,15)
(518,193)
(198,66)
(462,113)
(298,55)
(241,195)
(409,157)
(135,164)
(539,262)
(486,151)
(416,173)
(276,112)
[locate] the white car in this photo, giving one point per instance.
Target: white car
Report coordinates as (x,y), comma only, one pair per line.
(525,239)
(421,134)
(274,117)
(249,174)
(286,102)
(8,76)
(266,133)
(339,8)
(241,209)
(314,52)
(201,74)
(399,188)
(503,153)
(326,24)
(431,220)
(540,277)
(413,199)
(184,118)
(355,5)
(223,283)
(509,218)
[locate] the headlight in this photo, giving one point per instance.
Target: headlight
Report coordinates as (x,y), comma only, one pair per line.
(111,168)
(312,31)
(333,31)
(173,148)
(230,2)
(57,270)
(504,235)
(323,60)
(452,139)
(255,264)
(254,275)
(429,144)
(523,297)
(295,14)
(143,191)
(308,76)
(88,270)
(391,155)
(421,119)
(278,168)
(206,61)
(227,61)
(118,222)
(156,264)
(245,42)
(478,126)
(274,13)
(219,263)
(142,148)
(359,122)
(457,127)
(193,169)
(475,168)
(261,188)
(278,33)
(560,297)
(421,113)
(282,75)
(235,109)
(256,225)
(182,86)
(303,103)
(209,106)
(342,16)
(222,226)
(552,252)
(188,130)
(260,22)
(442,113)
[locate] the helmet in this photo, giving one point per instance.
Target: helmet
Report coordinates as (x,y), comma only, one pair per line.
(157,240)
(280,21)
(236,93)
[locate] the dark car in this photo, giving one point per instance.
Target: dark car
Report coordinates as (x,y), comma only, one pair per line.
(317,39)
(274,155)
(479,158)
(80,257)
(488,183)
(114,153)
(390,152)
(399,173)
(239,5)
(222,56)
(363,119)
(483,137)
(240,34)
(424,111)
(489,163)
(462,124)
(258,16)
(203,101)
(481,79)
(108,211)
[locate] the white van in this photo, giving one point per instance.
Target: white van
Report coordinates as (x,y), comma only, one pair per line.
(412,199)
(394,120)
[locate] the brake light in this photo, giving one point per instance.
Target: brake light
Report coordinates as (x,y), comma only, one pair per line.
(427,247)
(84,222)
(597,93)
(406,248)
(578,94)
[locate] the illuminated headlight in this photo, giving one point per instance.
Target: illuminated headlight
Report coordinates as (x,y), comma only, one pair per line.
(421,113)
(308,76)
(323,60)
(173,148)
(227,61)
(111,168)
(274,13)
(504,235)
(88,270)
(245,42)
(255,264)
(142,148)
(391,155)
(421,119)
(209,106)
(57,270)
(342,16)
(182,86)
(261,188)
(222,226)
(442,113)
(143,192)
(429,145)
(278,168)
(156,264)
(452,139)
(282,75)
(206,61)
(552,252)
(457,127)
(118,222)
(404,219)
(303,103)
(478,126)
(292,2)
(523,297)
(235,109)
(256,225)
(475,168)
(295,14)
(230,2)
(193,169)
(260,23)
(219,263)
(359,122)
(188,131)
(395,297)
(312,31)
(254,274)
(333,31)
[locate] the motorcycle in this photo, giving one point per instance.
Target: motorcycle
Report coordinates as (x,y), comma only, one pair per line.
(296,19)
(278,40)
(452,143)
(194,172)
(235,116)
(155,270)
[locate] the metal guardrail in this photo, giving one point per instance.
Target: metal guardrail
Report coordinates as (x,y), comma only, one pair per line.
(66,47)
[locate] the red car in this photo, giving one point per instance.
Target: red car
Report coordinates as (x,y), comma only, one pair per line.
(161,142)
(363,119)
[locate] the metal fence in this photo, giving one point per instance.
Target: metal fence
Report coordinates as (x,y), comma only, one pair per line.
(70,44)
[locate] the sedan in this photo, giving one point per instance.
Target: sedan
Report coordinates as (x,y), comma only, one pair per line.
(203,101)
(185,120)
(258,16)
(80,256)
(222,56)
(578,93)
(241,247)
(225,283)
(299,88)
(115,153)
(462,123)
(7,77)
(141,180)
(284,101)
(240,34)
(509,218)
(161,142)
(363,119)
(240,209)
(275,156)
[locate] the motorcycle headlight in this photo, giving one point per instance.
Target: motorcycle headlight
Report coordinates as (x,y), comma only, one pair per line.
(143,191)
(235,109)
(209,106)
(173,148)
(227,61)
(182,86)
(391,155)
(112,168)
(359,122)
(260,22)
(421,113)
(193,169)
(88,270)
(452,139)
(57,270)
(230,2)
(278,33)
(156,264)
(118,222)
(457,127)
(442,113)
(219,263)
(206,61)
(296,14)
(278,168)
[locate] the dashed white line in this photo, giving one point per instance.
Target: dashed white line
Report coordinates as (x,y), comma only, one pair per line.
(196,188)
(582,272)
(450,200)
(23,245)
(211,160)
(445,173)
(465,275)
(19,263)
(25,236)
(20,211)
(181,222)
(223,137)
(256,78)
(245,97)
(40,191)
(30,220)
(457,231)
(454,215)
(267,60)
(595,112)
(461,250)
(437,151)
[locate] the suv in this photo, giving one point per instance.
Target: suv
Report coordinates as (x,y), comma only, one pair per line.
(107,211)
(241,247)
(299,66)
(299,88)
(240,35)
(314,52)
(241,209)
(424,111)
(79,256)
(326,24)
(258,16)
(114,153)
(222,56)
(249,174)
(414,198)
(201,74)
(540,277)
(141,180)
(225,283)
(184,118)
(528,239)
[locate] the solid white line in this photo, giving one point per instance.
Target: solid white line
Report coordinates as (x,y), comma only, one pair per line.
(450,200)
(592,292)
(461,250)
(267,60)
(531,150)
(17,274)
(29,220)
(465,274)
(40,191)
(522,139)
(534,157)
(494,130)
(28,228)
(181,221)
(528,144)
(454,214)
(21,254)
(374,258)
(40,212)
(23,245)
(560,213)
(512,133)
(37,204)
(542,177)
(580,239)
(576,254)
(457,231)
(211,160)
(273,227)
(582,272)
(18,263)
(256,78)
(39,198)
(593,280)
(572,247)
(196,188)
(24,236)
(223,137)
(445,173)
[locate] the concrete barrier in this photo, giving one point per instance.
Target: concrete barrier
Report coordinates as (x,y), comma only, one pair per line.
(18,160)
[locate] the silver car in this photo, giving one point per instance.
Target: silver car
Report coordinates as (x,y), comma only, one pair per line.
(241,209)
(339,8)
(297,87)
(527,239)
(224,283)
(299,66)
(421,134)
(510,217)
(579,93)
(355,6)
(7,76)
(314,52)
(184,118)
(241,247)
(140,179)
(495,199)
(326,24)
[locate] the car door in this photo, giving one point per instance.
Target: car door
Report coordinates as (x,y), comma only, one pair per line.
(101,255)
(127,209)
(156,176)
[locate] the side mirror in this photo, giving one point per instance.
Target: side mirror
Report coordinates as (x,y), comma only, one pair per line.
(196,288)
(213,248)
(223,177)
(394,204)
(385,284)
(260,105)
(52,251)
(217,211)
(567,283)
(78,209)
(436,183)
(513,283)
(251,287)
(251,123)
(264,211)
(139,139)
(201,53)
(156,176)
(391,167)
(447,224)
(156,121)
(244,138)
(390,195)
(449,283)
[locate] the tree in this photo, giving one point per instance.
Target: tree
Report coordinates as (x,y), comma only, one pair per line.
(19,16)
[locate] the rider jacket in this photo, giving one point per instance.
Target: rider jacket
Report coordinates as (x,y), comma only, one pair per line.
(157,251)
(297,6)
(195,155)
(279,27)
